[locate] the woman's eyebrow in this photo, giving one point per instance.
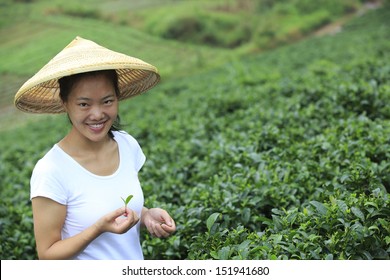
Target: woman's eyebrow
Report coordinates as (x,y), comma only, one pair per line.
(109,96)
(89,99)
(84,98)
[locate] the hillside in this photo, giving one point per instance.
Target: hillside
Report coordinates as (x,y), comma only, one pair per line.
(34,31)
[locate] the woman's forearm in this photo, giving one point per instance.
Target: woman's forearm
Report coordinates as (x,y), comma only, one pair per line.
(70,247)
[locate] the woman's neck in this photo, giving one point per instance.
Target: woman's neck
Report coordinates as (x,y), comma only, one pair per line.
(77,144)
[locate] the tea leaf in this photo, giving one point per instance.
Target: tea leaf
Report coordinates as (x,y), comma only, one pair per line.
(358,213)
(211,220)
(321,208)
(223,254)
(127,200)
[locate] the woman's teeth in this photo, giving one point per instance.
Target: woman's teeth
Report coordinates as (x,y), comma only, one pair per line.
(99,125)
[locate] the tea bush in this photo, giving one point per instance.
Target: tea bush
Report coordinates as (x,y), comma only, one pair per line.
(284,155)
(288,151)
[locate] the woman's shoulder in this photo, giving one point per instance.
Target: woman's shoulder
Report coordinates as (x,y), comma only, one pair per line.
(50,160)
(122,135)
(130,146)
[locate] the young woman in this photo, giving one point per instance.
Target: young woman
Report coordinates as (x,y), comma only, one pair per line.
(78,186)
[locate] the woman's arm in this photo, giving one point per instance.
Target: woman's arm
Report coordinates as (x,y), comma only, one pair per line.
(49,217)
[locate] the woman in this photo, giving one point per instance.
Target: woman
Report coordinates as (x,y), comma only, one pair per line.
(76,188)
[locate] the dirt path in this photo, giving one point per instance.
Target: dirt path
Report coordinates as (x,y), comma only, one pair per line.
(337,26)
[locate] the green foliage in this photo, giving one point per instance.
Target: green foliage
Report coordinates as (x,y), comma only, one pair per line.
(284,155)
(78,11)
(274,161)
(233,24)
(202,28)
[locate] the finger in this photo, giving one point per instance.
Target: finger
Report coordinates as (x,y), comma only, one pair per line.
(166,218)
(120,212)
(129,217)
(128,222)
(132,215)
(157,230)
(152,231)
(115,216)
(169,229)
(164,230)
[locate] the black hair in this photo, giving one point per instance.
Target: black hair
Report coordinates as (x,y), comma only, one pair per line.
(67,83)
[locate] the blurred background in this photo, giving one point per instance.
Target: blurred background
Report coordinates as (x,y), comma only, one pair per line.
(180,37)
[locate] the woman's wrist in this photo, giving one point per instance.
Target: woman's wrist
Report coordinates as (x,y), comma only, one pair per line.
(143,214)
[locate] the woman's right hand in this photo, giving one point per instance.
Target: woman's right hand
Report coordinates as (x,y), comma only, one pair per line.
(118,221)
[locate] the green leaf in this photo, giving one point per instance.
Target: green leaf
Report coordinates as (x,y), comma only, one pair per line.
(277,238)
(370,203)
(244,245)
(344,178)
(246,215)
(224,253)
(127,200)
(321,208)
(214,254)
(358,213)
(329,257)
(374,228)
(367,255)
(342,206)
(211,220)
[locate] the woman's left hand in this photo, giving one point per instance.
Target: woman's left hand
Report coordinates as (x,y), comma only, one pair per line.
(158,222)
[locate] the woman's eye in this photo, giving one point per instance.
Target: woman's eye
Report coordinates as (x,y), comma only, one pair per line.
(108,102)
(83,104)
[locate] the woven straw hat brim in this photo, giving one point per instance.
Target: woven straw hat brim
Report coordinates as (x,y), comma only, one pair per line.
(40,94)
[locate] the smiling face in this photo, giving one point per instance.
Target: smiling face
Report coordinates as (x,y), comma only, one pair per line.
(92,107)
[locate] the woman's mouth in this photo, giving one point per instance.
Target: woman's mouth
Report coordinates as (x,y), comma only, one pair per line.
(96,127)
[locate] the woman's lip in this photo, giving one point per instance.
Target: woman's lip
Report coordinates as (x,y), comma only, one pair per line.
(97,127)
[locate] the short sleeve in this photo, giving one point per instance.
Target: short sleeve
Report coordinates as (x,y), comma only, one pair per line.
(45,182)
(141,158)
(135,150)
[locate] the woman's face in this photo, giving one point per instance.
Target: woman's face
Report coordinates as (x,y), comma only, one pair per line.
(92,106)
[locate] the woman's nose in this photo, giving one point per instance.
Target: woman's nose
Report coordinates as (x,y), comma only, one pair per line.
(97,113)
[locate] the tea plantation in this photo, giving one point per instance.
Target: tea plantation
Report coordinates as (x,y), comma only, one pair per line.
(283,155)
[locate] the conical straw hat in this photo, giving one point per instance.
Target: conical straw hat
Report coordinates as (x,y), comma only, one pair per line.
(40,94)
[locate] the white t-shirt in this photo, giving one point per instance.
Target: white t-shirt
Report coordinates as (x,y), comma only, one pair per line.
(88,197)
